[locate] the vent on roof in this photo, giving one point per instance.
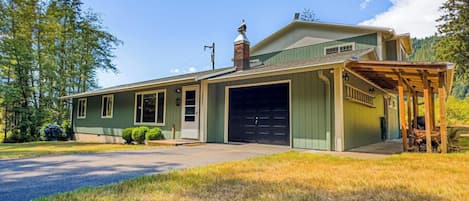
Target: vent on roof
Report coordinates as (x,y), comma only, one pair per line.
(297,16)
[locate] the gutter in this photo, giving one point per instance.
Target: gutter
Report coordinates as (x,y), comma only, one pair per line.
(119,89)
(277,70)
(230,70)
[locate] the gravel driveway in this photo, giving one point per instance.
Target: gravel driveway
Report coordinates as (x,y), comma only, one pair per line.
(25,179)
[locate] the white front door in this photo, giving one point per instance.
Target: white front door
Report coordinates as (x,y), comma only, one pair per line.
(190,112)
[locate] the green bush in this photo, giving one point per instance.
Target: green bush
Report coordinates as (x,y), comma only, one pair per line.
(138,134)
(127,135)
(154,134)
(14,136)
(67,129)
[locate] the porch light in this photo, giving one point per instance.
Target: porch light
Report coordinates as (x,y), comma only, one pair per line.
(371,90)
(345,77)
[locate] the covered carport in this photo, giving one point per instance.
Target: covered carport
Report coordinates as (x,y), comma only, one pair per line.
(412,81)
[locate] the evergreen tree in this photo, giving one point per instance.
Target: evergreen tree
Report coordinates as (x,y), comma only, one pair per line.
(48,49)
(454,44)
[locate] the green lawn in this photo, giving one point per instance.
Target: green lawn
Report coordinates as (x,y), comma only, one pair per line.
(300,176)
(33,149)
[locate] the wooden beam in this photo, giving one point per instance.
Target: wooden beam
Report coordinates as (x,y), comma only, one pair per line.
(432,106)
(426,101)
(415,104)
(409,117)
(400,88)
(442,99)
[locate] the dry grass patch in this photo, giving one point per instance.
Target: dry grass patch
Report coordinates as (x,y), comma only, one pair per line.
(300,176)
(33,149)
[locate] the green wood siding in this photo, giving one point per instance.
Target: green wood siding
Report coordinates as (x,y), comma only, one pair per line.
(362,123)
(391,50)
(123,114)
(393,122)
(308,122)
(361,42)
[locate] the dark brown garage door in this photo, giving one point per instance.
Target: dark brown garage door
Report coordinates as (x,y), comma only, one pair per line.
(259,114)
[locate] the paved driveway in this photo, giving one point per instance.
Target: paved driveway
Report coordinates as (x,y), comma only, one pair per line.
(25,179)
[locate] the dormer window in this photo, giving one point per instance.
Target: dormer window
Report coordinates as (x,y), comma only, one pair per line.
(339,48)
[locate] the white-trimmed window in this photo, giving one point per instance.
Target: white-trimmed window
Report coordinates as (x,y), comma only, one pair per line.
(150,107)
(339,48)
(81,108)
(107,106)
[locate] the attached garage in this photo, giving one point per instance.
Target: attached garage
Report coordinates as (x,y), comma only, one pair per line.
(259,114)
(291,109)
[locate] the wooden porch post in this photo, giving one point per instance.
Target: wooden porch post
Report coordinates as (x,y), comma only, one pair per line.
(400,88)
(432,106)
(409,118)
(415,100)
(428,127)
(442,98)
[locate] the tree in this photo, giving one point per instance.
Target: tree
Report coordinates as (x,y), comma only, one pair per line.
(48,49)
(454,44)
(308,15)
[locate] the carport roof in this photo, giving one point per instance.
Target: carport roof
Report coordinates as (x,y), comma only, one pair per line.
(415,75)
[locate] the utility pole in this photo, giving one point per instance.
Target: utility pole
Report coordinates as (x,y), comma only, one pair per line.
(212,56)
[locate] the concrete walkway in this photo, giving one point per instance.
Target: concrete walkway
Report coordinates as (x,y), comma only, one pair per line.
(25,179)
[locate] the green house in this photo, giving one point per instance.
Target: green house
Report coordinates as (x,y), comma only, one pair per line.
(293,88)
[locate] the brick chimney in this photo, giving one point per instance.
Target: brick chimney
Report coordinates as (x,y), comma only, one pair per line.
(241,49)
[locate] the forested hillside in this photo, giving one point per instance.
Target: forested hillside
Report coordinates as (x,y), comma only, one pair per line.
(425,50)
(458,103)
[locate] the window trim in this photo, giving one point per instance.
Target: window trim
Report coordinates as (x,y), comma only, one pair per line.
(338,47)
(85,103)
(156,108)
(112,106)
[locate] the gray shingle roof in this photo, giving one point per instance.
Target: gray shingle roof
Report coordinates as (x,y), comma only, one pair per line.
(315,61)
(228,72)
(149,83)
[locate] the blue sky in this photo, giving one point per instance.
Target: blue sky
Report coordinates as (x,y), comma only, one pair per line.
(164,38)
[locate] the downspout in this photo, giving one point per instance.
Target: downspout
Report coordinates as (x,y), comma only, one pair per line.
(327,82)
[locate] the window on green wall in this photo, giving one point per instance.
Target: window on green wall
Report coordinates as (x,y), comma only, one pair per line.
(150,107)
(81,108)
(107,105)
(347,47)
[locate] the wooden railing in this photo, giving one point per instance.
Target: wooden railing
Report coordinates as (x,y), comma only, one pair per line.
(359,96)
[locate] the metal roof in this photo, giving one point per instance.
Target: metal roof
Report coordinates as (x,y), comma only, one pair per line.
(297,23)
(228,72)
(315,61)
(151,83)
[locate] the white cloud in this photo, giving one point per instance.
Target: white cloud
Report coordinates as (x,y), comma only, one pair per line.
(416,17)
(364,4)
(192,69)
(175,70)
(189,70)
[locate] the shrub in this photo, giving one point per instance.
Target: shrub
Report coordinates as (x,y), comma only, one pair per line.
(138,134)
(154,134)
(127,135)
(13,136)
(68,130)
(52,132)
